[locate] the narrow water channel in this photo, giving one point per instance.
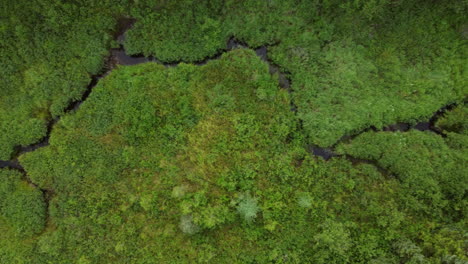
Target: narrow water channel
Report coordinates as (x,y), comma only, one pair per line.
(118,56)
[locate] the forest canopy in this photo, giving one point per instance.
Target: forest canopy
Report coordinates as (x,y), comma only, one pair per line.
(297,131)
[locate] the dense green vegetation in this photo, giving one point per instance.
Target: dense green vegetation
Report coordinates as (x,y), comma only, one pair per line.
(177,30)
(22,206)
(22,216)
(454,121)
(431,172)
(48,50)
(357,72)
(352,65)
(424,163)
(207,163)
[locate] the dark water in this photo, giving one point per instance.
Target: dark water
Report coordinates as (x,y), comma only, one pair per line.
(231,44)
(284,82)
(73,106)
(423,126)
(117,56)
(120,57)
(12,164)
(235,44)
(262,53)
(426,125)
(44,142)
(325,153)
(403,127)
(123,24)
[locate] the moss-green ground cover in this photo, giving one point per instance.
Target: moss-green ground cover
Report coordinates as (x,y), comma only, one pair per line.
(207,163)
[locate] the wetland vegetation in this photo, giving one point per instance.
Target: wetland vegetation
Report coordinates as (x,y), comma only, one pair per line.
(233,131)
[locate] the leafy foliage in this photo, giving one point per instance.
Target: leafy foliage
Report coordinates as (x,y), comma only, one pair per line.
(49,51)
(455,121)
(22,207)
(375,73)
(432,172)
(177,30)
(248,208)
(185,163)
